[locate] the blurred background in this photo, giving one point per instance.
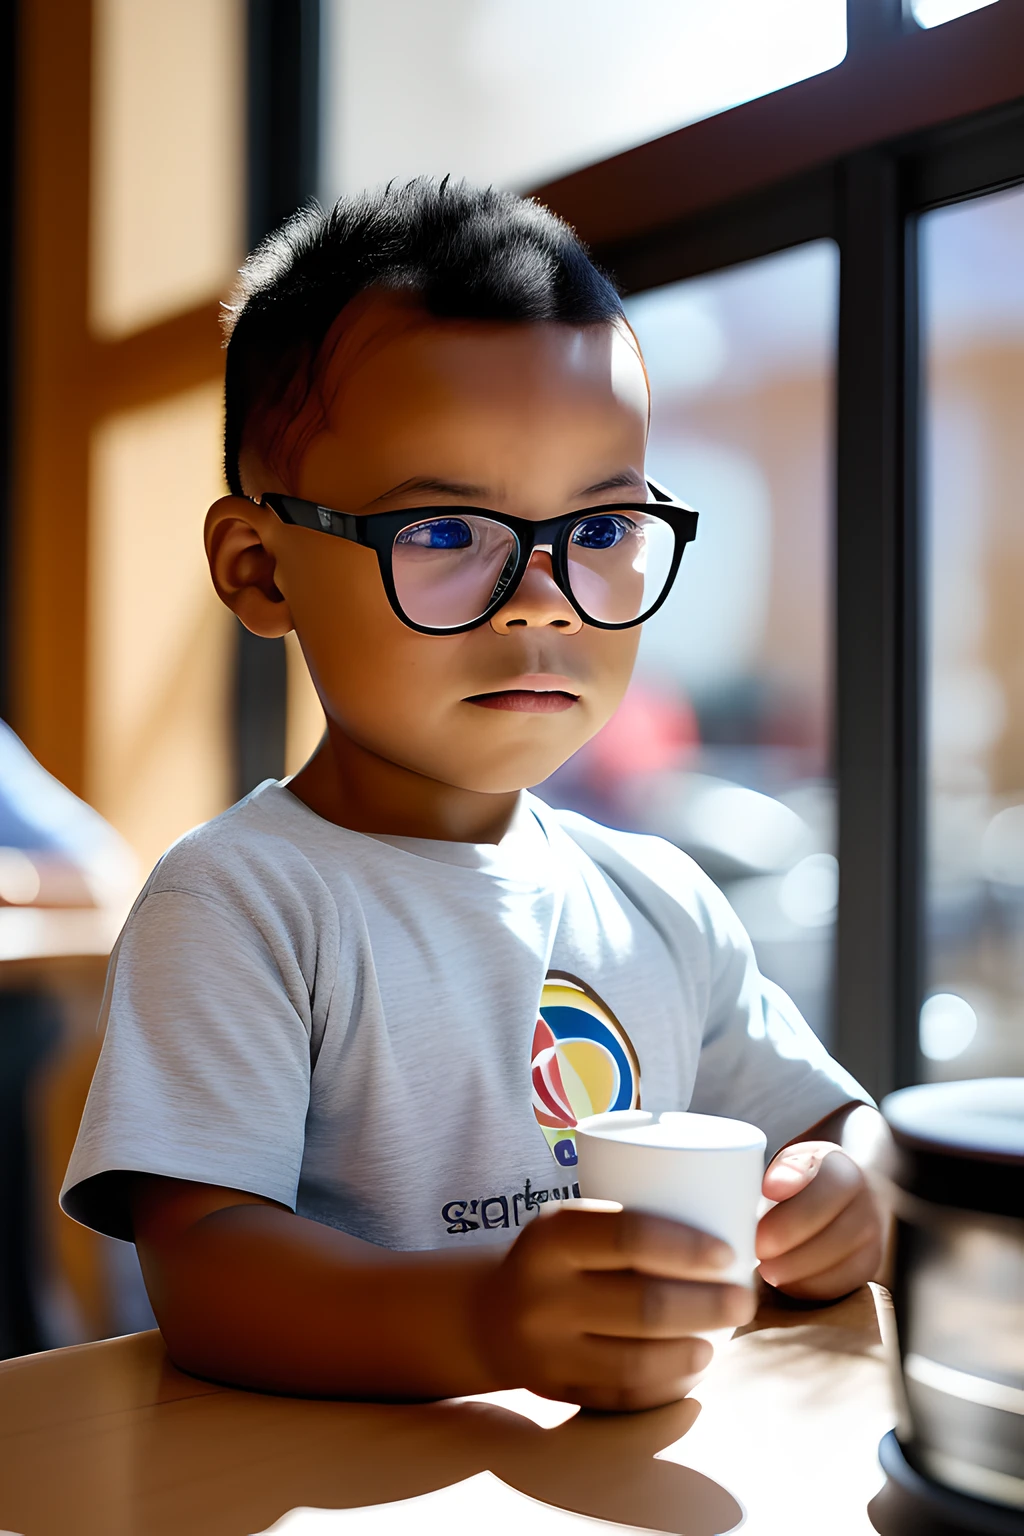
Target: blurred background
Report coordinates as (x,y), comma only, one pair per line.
(148,146)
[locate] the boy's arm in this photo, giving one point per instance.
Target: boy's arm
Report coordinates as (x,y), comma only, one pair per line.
(829,1232)
(599,1307)
(246,1291)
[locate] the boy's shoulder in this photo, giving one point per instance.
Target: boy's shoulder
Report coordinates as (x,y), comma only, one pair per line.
(654,873)
(269,853)
(260,844)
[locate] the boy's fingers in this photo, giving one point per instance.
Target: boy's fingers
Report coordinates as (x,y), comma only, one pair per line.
(788,1174)
(627,1375)
(632,1306)
(854,1270)
(856,1226)
(836,1183)
(634,1240)
(794,1167)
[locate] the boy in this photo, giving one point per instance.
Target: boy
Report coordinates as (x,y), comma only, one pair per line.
(313,1109)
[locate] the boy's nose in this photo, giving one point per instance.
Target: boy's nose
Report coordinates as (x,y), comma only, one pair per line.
(537,602)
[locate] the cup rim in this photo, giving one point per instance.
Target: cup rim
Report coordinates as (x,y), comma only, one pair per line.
(616,1124)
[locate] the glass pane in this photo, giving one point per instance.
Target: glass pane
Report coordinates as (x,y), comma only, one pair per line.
(973,314)
(932,13)
(161,644)
(517,91)
(723,742)
(168,151)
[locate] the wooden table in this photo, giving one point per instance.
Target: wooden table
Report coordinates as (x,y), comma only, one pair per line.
(38,944)
(109,1439)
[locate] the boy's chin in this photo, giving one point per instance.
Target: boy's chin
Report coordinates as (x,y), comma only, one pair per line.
(505,776)
(502,783)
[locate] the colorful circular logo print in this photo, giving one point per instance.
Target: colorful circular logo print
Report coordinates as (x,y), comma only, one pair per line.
(582,1063)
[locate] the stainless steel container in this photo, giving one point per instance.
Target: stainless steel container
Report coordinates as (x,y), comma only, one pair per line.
(959,1286)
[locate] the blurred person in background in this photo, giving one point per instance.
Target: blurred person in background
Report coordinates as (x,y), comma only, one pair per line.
(56,853)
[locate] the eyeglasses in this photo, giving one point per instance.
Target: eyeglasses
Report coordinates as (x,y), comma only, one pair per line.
(448,569)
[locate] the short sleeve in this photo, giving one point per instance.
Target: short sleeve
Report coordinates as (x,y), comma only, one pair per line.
(760,1061)
(204,1069)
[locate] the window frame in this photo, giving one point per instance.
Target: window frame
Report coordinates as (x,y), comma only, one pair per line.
(282,170)
(912,119)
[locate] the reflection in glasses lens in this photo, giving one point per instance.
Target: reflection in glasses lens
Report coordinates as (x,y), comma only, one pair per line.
(449,570)
(619,564)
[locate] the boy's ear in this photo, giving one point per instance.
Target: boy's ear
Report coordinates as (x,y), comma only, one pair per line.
(243,566)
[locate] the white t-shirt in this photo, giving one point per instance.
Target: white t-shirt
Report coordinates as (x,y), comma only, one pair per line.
(396,1037)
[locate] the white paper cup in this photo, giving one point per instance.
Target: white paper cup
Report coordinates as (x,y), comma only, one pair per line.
(700,1169)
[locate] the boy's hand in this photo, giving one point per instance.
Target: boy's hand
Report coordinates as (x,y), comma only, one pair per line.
(825,1236)
(600,1307)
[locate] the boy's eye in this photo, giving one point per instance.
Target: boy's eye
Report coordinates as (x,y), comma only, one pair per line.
(602,532)
(439,533)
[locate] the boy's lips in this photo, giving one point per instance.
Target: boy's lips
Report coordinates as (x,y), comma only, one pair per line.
(540,694)
(546,702)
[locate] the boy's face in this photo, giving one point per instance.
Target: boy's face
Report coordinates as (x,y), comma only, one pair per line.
(535,420)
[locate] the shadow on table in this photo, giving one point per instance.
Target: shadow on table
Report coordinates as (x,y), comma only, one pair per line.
(605,1466)
(111,1440)
(343,1455)
(130,1447)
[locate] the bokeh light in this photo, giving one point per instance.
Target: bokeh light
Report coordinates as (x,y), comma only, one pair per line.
(947,1027)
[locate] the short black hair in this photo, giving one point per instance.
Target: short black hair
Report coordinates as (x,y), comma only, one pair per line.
(467,253)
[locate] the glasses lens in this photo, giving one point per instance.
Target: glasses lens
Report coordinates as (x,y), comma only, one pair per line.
(620,564)
(449,570)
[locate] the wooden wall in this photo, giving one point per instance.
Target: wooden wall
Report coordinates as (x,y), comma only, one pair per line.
(129,229)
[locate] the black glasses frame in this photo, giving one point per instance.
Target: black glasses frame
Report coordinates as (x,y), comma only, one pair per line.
(379,530)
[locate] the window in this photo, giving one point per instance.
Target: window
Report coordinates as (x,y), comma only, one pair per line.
(514,91)
(973,330)
(723,744)
(165,233)
(167,128)
(911,121)
(160,640)
(131,227)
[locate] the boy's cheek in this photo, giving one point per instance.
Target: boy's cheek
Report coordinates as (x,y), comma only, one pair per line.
(401,693)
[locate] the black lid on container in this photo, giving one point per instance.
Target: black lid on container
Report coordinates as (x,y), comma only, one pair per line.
(962,1144)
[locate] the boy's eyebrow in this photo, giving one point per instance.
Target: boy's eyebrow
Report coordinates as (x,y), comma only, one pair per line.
(433,487)
(626,479)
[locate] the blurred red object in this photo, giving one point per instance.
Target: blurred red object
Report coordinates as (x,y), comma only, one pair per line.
(650,732)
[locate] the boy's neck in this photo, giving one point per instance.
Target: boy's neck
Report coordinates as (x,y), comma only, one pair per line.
(351,786)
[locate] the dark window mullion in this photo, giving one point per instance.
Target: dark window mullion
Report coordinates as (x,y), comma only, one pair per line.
(966,159)
(283,126)
(871,23)
(877,619)
(910,678)
(759,225)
